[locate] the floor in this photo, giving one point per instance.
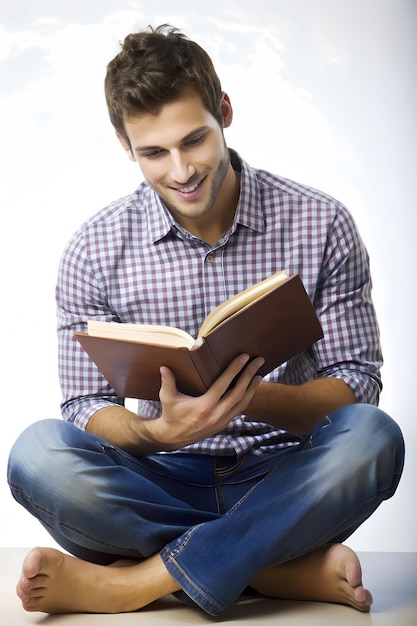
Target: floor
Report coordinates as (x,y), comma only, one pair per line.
(392,578)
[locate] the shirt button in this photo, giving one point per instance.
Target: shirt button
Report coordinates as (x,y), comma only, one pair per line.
(209,258)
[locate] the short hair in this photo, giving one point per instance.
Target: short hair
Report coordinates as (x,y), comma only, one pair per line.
(156,66)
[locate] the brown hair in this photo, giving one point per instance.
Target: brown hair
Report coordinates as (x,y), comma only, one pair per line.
(154,67)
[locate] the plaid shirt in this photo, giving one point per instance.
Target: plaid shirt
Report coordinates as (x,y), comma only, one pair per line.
(133,263)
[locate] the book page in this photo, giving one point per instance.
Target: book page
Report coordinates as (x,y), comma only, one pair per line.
(239,301)
(143,333)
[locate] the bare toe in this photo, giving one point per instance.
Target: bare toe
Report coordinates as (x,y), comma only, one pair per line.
(54,582)
(329,574)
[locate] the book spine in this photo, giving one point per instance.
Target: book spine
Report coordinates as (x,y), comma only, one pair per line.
(205,364)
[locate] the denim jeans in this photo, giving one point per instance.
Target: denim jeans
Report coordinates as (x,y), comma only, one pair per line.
(216,521)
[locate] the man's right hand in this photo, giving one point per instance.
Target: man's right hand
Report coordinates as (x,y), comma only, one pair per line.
(187,419)
(184,419)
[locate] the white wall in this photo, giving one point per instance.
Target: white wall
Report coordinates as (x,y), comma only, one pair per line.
(323,91)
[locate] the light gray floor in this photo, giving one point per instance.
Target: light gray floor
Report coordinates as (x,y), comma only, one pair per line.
(392,578)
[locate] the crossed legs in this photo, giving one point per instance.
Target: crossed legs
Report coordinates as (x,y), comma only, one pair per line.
(54,582)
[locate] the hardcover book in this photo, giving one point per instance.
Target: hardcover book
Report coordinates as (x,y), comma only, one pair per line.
(274,319)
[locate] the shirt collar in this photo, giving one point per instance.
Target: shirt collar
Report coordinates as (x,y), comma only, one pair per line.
(249,211)
(160,220)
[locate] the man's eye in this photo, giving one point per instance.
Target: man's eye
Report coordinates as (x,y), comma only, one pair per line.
(152,154)
(195,140)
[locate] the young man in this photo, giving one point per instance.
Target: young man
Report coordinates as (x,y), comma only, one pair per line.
(257,485)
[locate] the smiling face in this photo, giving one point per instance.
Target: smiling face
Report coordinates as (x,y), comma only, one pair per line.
(182,154)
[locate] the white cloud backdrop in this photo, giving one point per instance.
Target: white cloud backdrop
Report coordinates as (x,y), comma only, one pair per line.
(324,92)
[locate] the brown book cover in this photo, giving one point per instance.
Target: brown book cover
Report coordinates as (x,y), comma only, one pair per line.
(277,326)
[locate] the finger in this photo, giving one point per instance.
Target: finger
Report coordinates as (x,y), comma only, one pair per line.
(251,369)
(243,380)
(168,383)
(235,401)
(223,382)
(241,385)
(247,383)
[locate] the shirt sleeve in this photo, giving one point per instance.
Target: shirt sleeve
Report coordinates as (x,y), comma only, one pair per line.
(78,297)
(351,347)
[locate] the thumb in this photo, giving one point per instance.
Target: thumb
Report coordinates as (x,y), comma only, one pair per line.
(168,384)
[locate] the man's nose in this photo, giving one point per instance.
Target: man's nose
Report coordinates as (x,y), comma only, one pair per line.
(181,168)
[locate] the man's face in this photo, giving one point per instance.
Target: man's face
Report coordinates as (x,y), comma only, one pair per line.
(182,155)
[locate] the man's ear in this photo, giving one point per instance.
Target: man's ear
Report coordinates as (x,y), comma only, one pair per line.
(226,110)
(126,147)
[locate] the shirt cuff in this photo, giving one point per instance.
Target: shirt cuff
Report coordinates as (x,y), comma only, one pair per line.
(80,411)
(366,388)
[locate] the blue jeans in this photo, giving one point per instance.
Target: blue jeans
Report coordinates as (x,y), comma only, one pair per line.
(216,521)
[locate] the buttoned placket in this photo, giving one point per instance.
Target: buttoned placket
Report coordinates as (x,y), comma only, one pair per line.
(212,268)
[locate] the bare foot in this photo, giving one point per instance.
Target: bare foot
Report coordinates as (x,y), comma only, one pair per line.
(329,574)
(53,582)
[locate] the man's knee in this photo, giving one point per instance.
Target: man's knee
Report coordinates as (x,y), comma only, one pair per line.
(375,437)
(36,463)
(371,422)
(30,448)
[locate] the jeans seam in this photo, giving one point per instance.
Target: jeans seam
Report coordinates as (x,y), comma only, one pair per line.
(335,531)
(39,509)
(192,584)
(223,472)
(185,539)
(152,470)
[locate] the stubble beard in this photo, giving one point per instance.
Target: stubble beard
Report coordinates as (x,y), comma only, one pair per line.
(216,185)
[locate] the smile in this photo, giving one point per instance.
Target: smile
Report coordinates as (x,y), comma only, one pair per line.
(190,189)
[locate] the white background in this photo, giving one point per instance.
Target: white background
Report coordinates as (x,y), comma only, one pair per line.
(324,92)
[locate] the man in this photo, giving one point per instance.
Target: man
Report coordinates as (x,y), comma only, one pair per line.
(255,485)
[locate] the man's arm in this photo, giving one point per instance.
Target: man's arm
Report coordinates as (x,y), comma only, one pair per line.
(298,408)
(88,400)
(184,419)
(342,368)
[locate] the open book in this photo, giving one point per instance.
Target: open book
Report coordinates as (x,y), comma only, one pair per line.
(274,319)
